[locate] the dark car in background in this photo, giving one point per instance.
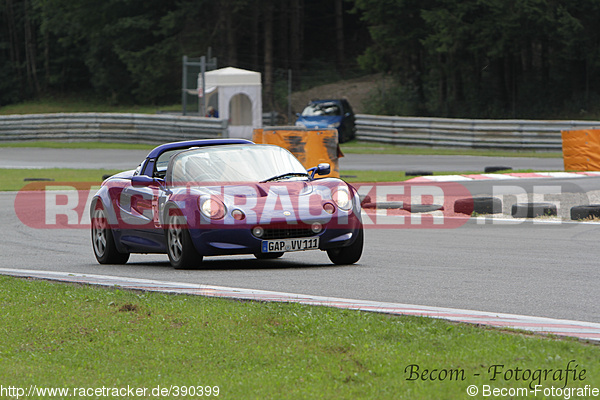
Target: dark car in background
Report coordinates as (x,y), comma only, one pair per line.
(332,113)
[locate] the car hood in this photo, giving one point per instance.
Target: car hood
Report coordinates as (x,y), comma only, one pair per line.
(290,188)
(274,202)
(230,193)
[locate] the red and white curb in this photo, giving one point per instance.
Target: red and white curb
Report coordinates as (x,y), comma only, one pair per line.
(559,327)
(509,176)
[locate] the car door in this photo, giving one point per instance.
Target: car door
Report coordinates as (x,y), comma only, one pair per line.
(139,210)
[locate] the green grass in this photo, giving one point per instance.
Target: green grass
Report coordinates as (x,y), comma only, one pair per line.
(73,104)
(62,335)
(356,147)
(400,176)
(350,148)
(14,179)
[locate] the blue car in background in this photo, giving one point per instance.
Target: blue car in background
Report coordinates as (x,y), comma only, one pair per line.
(337,113)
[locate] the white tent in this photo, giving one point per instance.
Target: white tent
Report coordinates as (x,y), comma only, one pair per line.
(237,96)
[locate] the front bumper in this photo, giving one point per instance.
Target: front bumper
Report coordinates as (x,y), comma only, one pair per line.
(226,241)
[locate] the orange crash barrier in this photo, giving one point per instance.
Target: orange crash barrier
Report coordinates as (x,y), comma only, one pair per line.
(581,150)
(311,147)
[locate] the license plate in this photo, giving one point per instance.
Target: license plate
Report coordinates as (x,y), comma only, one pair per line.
(279,245)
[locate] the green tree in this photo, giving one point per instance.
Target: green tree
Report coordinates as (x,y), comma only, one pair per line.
(487,58)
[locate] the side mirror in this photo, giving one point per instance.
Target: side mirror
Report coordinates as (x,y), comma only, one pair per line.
(321,169)
(142,181)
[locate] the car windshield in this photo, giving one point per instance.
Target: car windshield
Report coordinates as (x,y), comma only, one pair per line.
(321,109)
(234,163)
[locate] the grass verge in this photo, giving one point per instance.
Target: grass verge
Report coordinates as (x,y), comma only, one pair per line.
(14,179)
(61,335)
(352,147)
(400,176)
(383,148)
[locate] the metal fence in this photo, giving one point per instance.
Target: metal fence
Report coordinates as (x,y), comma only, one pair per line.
(105,127)
(160,128)
(467,133)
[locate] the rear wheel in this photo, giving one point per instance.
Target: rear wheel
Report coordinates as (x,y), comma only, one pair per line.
(180,248)
(103,241)
(349,254)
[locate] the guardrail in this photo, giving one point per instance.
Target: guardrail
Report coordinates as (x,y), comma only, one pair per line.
(469,133)
(160,128)
(106,127)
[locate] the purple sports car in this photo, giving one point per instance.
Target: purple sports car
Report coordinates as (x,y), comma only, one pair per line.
(222,197)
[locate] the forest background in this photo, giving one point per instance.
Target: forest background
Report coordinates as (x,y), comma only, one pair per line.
(449,58)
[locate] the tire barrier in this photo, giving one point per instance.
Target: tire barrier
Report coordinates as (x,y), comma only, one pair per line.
(585,212)
(533,210)
(488,170)
(479,205)
(398,205)
(384,205)
(422,208)
(418,173)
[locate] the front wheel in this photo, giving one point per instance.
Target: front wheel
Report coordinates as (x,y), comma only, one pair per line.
(103,241)
(349,254)
(180,248)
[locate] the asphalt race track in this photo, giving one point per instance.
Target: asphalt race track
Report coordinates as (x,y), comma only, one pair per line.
(545,269)
(542,270)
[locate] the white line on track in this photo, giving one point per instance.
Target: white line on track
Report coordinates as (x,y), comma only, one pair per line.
(559,327)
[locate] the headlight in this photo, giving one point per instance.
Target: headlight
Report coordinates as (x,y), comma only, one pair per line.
(298,123)
(238,215)
(329,208)
(334,125)
(342,198)
(211,207)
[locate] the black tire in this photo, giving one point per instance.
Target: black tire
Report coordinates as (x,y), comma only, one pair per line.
(422,208)
(533,210)
(488,170)
(418,173)
(268,256)
(180,248)
(103,241)
(385,205)
(479,205)
(349,254)
(585,212)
